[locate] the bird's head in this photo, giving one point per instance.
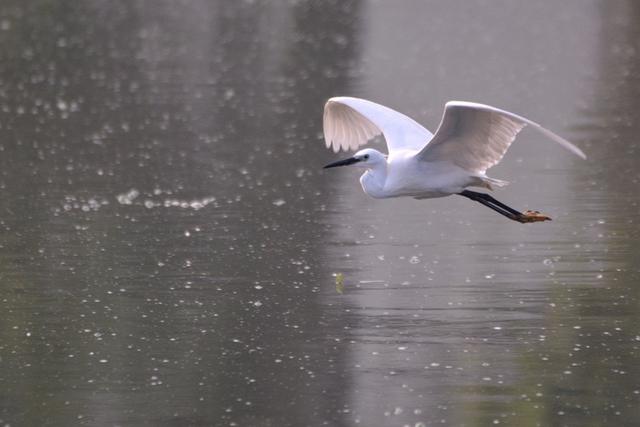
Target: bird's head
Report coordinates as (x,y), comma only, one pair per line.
(366,159)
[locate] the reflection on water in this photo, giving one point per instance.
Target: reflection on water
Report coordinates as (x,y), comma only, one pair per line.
(169,240)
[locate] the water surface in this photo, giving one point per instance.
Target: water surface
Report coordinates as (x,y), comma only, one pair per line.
(169,242)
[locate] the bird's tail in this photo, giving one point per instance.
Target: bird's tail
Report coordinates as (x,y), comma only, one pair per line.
(491,182)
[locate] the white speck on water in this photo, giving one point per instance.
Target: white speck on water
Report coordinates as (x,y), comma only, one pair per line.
(414,260)
(397,410)
(547,262)
(128,197)
(199,204)
(279,202)
(497,328)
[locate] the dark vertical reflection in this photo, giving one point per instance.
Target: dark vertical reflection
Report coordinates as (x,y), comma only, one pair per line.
(601,354)
(60,101)
(161,216)
(614,183)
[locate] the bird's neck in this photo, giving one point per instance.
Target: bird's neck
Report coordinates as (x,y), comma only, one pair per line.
(373,181)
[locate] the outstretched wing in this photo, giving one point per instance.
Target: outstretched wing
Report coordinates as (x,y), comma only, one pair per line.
(476,136)
(352,122)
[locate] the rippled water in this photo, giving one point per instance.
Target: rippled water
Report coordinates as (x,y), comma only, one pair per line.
(170,245)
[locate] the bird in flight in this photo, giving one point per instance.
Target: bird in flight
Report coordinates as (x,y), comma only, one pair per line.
(470,139)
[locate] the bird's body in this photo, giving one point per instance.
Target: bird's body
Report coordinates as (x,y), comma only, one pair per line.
(405,175)
(470,139)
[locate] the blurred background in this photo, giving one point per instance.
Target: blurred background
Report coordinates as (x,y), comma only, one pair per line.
(169,244)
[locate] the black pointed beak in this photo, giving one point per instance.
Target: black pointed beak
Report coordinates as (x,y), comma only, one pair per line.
(345,162)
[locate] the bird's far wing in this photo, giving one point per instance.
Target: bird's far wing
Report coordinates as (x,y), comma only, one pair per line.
(476,136)
(352,122)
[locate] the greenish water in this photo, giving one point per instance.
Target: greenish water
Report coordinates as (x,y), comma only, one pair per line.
(169,241)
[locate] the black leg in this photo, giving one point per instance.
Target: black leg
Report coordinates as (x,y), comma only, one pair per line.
(489,199)
(479,197)
(503,209)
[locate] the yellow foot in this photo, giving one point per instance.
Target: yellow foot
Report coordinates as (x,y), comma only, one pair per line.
(532,216)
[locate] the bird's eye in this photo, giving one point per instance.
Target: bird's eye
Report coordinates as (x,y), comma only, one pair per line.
(366,157)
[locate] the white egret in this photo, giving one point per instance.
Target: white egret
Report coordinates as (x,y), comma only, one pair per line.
(470,139)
